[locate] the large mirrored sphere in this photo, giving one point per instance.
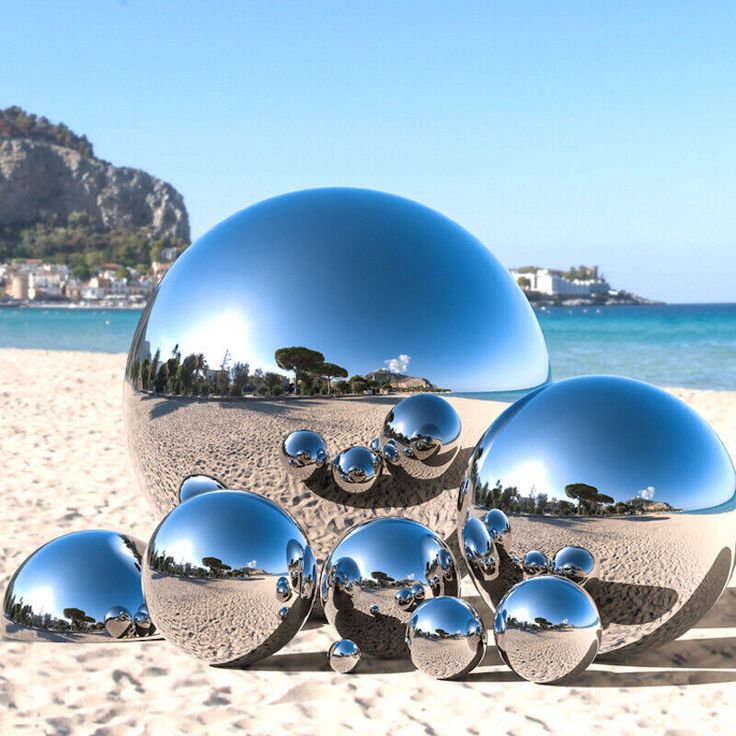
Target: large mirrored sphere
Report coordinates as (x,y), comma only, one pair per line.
(229,577)
(377,575)
(268,324)
(630,489)
(446,638)
(547,629)
(426,430)
(65,590)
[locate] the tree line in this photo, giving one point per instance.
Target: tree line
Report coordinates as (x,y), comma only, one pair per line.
(585,500)
(191,375)
(15,122)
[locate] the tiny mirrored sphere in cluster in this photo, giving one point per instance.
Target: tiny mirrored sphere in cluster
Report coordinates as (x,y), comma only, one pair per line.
(344,656)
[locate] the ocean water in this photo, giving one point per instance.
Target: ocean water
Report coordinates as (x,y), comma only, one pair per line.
(690,345)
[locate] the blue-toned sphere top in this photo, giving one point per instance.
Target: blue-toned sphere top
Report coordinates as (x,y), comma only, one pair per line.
(260,328)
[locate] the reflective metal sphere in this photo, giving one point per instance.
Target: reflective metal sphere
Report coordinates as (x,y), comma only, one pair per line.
(143,624)
(206,393)
(630,474)
(376,576)
(356,469)
(547,629)
(344,656)
(536,563)
(390,453)
(446,638)
(303,453)
(426,431)
(214,577)
(73,587)
(194,485)
(119,622)
(575,563)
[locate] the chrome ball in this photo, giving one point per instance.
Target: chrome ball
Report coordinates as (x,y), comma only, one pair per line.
(195,485)
(536,563)
(426,432)
(390,453)
(344,656)
(303,453)
(206,393)
(376,576)
(214,577)
(628,473)
(143,624)
(574,563)
(356,469)
(78,587)
(547,629)
(119,623)
(446,638)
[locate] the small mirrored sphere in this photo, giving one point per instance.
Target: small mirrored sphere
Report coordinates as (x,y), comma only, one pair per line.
(446,638)
(344,656)
(426,432)
(216,574)
(119,623)
(574,563)
(375,445)
(498,527)
(303,453)
(391,453)
(478,548)
(194,485)
(536,563)
(376,576)
(547,629)
(237,348)
(66,589)
(622,478)
(143,624)
(356,469)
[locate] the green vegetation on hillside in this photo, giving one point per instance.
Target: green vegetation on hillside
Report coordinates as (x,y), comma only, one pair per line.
(81,244)
(15,122)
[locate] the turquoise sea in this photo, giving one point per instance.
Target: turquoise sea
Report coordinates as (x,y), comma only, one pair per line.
(691,345)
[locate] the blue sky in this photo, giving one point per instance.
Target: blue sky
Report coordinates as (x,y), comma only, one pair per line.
(557,132)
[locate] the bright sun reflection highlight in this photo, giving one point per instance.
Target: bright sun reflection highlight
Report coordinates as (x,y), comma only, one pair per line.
(529,476)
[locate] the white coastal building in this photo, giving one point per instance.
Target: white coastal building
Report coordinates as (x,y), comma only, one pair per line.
(547,282)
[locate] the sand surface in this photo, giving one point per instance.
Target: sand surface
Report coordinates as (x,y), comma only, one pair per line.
(65,467)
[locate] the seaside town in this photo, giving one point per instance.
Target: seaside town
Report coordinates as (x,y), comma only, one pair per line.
(33,282)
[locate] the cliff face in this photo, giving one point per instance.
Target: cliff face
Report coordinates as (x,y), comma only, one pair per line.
(41,181)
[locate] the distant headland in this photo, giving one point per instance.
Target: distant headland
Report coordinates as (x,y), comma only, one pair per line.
(581,285)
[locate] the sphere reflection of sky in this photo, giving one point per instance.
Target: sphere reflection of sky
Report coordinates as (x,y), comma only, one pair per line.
(554,600)
(398,548)
(89,571)
(361,276)
(241,530)
(624,437)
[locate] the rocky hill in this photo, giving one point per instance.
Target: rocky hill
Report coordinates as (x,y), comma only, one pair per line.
(48,176)
(400,382)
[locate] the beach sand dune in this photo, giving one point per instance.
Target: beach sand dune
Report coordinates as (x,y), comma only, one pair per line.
(65,467)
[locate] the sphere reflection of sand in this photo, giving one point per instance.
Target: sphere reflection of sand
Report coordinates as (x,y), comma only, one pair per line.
(651,568)
(240,445)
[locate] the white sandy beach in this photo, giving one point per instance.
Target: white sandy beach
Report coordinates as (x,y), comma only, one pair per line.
(65,467)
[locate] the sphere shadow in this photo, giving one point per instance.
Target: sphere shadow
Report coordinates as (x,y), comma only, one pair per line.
(392,490)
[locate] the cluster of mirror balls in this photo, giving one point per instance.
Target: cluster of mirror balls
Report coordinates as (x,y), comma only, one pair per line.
(230,577)
(420,435)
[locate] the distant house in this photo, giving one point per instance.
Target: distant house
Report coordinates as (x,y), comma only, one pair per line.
(551,283)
